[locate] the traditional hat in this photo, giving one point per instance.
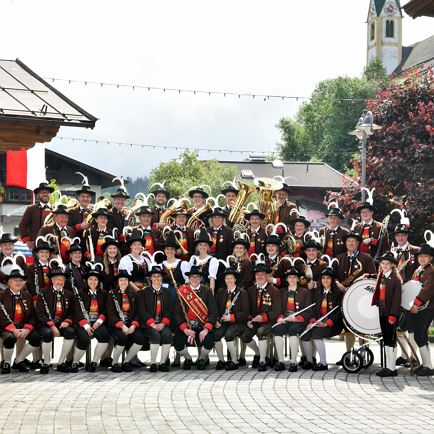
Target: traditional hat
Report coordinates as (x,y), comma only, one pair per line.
(170,241)
(110,241)
(85,187)
(199,190)
(388,256)
(123,273)
(311,244)
(204,237)
(241,241)
(365,205)
(94,270)
(401,229)
(181,211)
(43,186)
(144,210)
(159,189)
(7,238)
(425,249)
(195,271)
(352,234)
(58,271)
(285,187)
(120,192)
(218,212)
(230,271)
(42,244)
(16,272)
(303,220)
(261,267)
(293,271)
(61,209)
(336,212)
(136,235)
(230,189)
(101,212)
(273,239)
(253,213)
(156,269)
(328,272)
(75,247)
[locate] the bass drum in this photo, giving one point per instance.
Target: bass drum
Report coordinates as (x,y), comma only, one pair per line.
(410,290)
(359,315)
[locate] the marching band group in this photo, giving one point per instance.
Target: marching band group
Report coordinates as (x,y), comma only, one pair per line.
(149,277)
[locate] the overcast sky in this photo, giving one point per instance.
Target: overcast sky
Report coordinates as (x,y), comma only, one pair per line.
(280,47)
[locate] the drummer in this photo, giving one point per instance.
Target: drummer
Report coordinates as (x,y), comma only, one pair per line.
(423,308)
(326,297)
(387,296)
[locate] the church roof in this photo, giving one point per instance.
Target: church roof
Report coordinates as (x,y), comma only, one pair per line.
(419,8)
(379,4)
(420,53)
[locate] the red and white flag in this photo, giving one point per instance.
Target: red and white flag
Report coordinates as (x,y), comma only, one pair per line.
(26,168)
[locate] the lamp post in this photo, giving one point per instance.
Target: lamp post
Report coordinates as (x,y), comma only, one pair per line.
(365,127)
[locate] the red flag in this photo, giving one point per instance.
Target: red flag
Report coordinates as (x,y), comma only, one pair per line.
(16,168)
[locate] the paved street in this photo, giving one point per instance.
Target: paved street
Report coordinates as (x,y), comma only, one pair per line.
(218,401)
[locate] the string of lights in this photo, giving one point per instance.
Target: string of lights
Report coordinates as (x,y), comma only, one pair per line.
(187,148)
(252,95)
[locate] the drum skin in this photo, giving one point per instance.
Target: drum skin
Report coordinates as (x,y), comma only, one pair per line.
(410,290)
(359,315)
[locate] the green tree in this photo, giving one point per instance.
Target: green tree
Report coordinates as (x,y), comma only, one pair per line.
(188,170)
(320,128)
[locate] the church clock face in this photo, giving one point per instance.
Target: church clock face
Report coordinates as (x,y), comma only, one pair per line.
(390,8)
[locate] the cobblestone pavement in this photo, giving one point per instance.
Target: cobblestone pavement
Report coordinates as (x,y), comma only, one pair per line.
(218,401)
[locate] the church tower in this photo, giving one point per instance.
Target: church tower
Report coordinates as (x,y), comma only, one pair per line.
(384,38)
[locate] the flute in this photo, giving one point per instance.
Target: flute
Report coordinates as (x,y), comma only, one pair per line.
(293,314)
(41,295)
(318,321)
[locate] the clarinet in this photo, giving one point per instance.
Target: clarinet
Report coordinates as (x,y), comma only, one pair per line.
(41,294)
(227,311)
(80,301)
(117,306)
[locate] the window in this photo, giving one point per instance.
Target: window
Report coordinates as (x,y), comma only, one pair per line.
(17,195)
(372,32)
(390,30)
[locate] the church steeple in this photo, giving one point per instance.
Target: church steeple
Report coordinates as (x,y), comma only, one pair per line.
(384,36)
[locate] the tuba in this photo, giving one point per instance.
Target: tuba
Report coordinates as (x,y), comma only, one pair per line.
(267,205)
(236,216)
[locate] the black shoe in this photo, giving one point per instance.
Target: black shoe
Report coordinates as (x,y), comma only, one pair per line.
(116,367)
(137,364)
(400,361)
(126,367)
(207,362)
(91,367)
(307,365)
(293,367)
(74,368)
(386,372)
(29,363)
(242,362)
(188,363)
(37,364)
(279,367)
(319,367)
(6,368)
(425,372)
(201,364)
(107,362)
(153,367)
(20,366)
(262,366)
(163,367)
(255,362)
(232,366)
(220,365)
(302,360)
(63,367)
(45,369)
(175,364)
(339,362)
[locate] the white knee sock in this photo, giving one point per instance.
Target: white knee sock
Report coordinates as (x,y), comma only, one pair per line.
(154,352)
(24,353)
(132,352)
(46,352)
(19,345)
(68,344)
(278,341)
(294,343)
(37,354)
(108,351)
(7,355)
(350,340)
(262,344)
(204,353)
(78,354)
(219,350)
(165,349)
(425,354)
(307,345)
(243,350)
(184,353)
(232,350)
(320,346)
(117,351)
(391,358)
(99,351)
(253,346)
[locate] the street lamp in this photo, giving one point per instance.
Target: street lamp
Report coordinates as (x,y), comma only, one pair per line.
(365,127)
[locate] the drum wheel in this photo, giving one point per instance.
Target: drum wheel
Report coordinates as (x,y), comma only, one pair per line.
(367,356)
(352,362)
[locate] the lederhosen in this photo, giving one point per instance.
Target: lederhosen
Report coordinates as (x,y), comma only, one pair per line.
(294,301)
(325,303)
